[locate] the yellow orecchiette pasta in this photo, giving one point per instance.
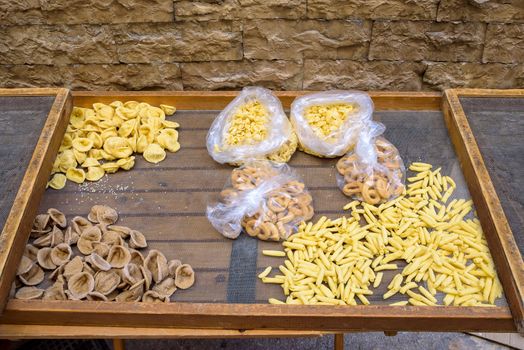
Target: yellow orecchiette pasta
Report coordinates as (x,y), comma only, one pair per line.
(168,110)
(154,153)
(58,181)
(94,173)
(102,139)
(118,147)
(126,163)
(76,175)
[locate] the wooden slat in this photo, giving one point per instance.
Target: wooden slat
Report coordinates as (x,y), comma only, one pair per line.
(505,252)
(192,100)
(17,226)
(259,316)
(15,332)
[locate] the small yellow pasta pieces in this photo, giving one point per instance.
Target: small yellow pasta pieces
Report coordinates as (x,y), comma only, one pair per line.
(82,144)
(126,163)
(154,153)
(127,127)
(57,182)
(79,156)
(76,175)
(118,147)
(168,139)
(104,138)
(96,139)
(168,110)
(110,167)
(67,160)
(94,173)
(141,144)
(90,162)
(170,124)
(103,110)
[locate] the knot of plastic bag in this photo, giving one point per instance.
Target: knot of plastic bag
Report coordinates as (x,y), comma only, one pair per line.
(365,147)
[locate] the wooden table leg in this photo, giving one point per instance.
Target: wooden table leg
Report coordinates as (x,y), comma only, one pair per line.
(119,344)
(339,341)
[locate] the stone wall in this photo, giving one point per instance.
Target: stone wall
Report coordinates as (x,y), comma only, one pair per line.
(291,45)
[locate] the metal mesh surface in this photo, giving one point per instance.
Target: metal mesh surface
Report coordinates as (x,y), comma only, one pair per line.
(498,126)
(21,122)
(167,202)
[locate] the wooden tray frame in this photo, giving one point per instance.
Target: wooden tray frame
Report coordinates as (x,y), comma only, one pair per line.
(498,232)
(16,230)
(263,317)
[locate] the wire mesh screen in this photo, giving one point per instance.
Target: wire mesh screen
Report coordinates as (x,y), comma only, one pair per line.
(167,203)
(498,126)
(22,119)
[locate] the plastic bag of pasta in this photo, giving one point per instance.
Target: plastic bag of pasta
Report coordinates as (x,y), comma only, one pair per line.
(328,123)
(264,198)
(252,126)
(373,172)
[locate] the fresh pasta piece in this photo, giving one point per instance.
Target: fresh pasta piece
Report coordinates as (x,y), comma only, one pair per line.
(79,156)
(168,139)
(82,144)
(110,167)
(126,163)
(154,153)
(58,181)
(168,110)
(76,175)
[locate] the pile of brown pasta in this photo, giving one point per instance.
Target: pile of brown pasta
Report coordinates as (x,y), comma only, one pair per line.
(94,259)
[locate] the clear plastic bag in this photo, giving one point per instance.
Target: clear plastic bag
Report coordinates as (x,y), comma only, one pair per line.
(252,126)
(328,123)
(374,172)
(264,198)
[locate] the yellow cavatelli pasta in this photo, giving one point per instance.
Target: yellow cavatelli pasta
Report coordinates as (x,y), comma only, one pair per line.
(102,139)
(434,248)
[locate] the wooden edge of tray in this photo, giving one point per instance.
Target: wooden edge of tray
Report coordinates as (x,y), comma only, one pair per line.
(504,249)
(258,316)
(18,224)
(15,331)
(191,100)
(261,316)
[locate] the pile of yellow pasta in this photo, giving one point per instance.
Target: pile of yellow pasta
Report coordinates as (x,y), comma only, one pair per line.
(335,262)
(103,139)
(327,119)
(248,124)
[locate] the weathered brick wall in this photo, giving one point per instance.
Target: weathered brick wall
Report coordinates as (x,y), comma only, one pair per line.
(292,45)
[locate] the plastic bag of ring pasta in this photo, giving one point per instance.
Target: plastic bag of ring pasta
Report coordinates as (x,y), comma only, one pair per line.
(264,198)
(328,123)
(374,172)
(252,126)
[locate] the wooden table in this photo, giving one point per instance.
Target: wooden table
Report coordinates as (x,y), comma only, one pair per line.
(167,196)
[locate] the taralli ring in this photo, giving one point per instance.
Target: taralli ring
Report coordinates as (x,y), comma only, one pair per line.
(372,183)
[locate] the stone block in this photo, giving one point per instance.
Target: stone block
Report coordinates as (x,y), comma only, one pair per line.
(204,10)
(376,75)
(474,75)
(106,11)
(181,42)
(373,9)
(56,45)
(294,40)
(486,11)
(426,40)
(234,75)
(504,43)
